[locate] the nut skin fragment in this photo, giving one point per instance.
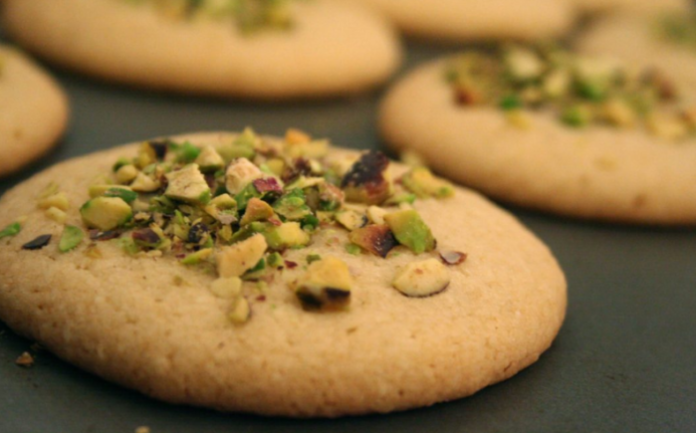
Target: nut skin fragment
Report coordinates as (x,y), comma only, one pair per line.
(25,360)
(368,180)
(234,260)
(422,279)
(38,243)
(452,257)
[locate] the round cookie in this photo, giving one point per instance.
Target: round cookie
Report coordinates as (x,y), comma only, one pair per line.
(460,20)
(152,324)
(638,40)
(541,159)
(327,49)
(34,111)
(631,6)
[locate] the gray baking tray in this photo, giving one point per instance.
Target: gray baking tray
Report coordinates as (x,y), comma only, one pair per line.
(625,360)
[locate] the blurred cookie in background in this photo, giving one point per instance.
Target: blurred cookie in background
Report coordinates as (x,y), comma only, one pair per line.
(248,48)
(474,20)
(547,129)
(666,41)
(34,111)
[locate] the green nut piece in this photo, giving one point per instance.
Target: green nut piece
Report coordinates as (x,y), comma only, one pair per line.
(326,285)
(411,231)
(106,213)
(287,235)
(188,185)
(11,230)
(422,183)
(71,238)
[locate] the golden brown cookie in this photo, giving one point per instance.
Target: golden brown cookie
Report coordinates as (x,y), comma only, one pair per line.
(324,328)
(589,147)
(466,20)
(310,49)
(34,111)
(661,41)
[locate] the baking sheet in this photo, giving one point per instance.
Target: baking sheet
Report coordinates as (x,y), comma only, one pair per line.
(624,361)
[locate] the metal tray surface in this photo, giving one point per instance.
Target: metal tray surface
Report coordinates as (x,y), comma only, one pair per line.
(624,361)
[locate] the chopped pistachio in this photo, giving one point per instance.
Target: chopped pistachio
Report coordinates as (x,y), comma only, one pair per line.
(227,288)
(144,183)
(275,260)
(240,311)
(377,239)
(236,259)
(286,235)
(376,214)
(56,215)
(292,205)
(106,213)
(326,285)
(188,185)
(421,279)
(256,210)
(58,200)
(70,239)
(209,160)
(198,257)
(11,230)
(421,182)
(410,230)
(351,219)
(368,181)
(240,174)
(126,174)
(353,249)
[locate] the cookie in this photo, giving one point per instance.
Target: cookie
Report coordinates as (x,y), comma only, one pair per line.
(663,41)
(266,50)
(284,294)
(458,20)
(630,6)
(574,136)
(34,111)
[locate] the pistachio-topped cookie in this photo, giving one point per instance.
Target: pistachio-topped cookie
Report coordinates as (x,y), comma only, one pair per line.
(665,41)
(34,111)
(547,129)
(274,276)
(265,49)
(475,20)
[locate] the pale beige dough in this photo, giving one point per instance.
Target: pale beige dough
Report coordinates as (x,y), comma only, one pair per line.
(334,49)
(34,111)
(124,318)
(631,6)
(464,20)
(633,39)
(598,172)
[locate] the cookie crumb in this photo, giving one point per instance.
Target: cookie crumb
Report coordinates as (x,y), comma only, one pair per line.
(25,360)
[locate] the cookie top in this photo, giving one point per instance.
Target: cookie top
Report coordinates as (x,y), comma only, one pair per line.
(302,49)
(34,111)
(664,41)
(579,137)
(343,317)
(459,20)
